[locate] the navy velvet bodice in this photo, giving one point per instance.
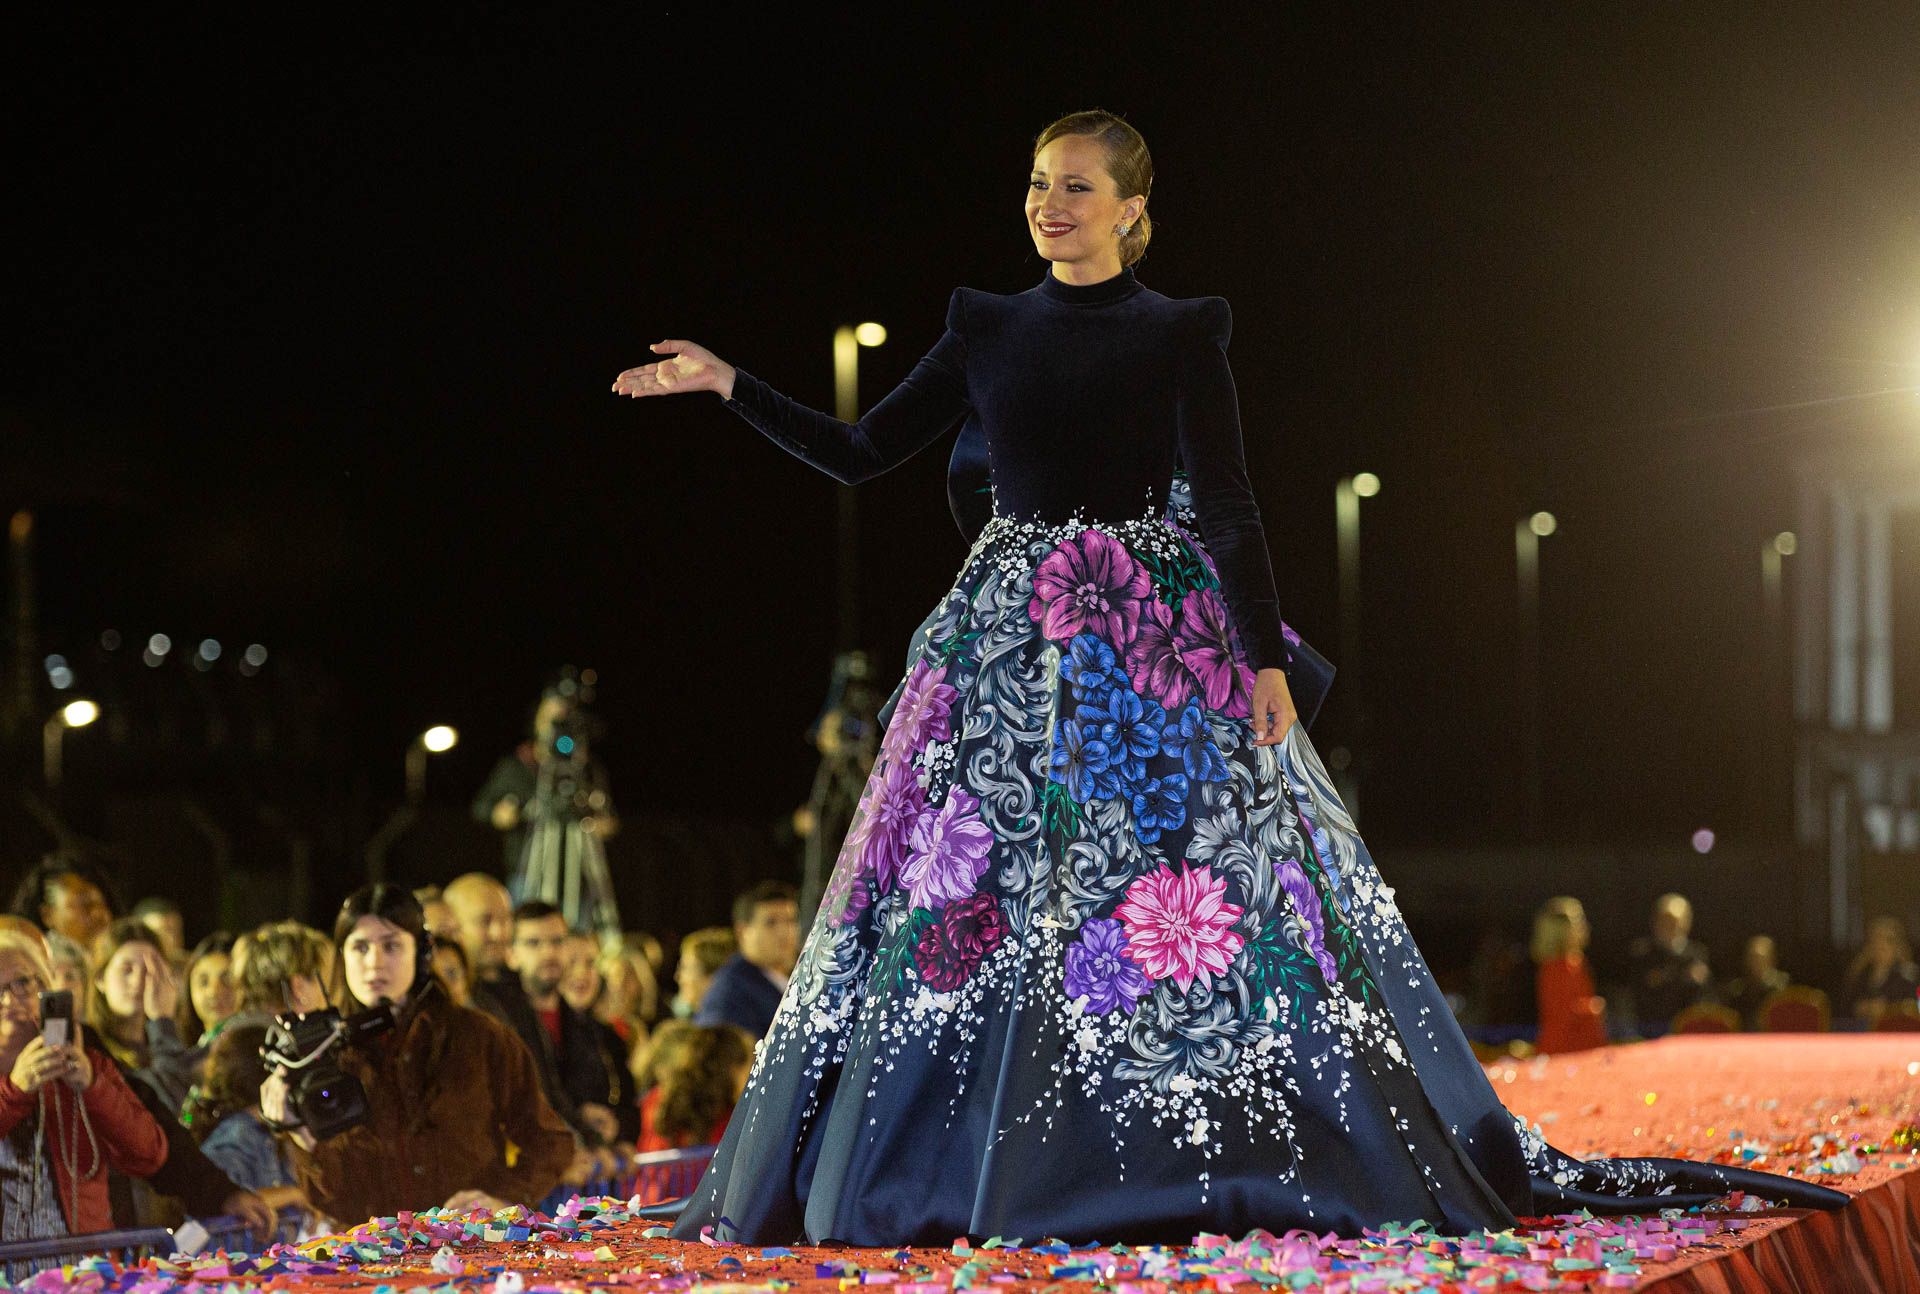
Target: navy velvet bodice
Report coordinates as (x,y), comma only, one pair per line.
(1084,398)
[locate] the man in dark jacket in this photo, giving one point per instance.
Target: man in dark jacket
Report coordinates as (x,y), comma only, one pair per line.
(595,1097)
(746,989)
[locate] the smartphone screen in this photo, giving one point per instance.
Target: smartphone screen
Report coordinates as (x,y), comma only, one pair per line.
(56,1017)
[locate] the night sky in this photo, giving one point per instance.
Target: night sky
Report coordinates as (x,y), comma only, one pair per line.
(313,329)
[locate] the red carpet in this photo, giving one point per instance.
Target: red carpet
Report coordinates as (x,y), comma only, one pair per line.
(1836,1109)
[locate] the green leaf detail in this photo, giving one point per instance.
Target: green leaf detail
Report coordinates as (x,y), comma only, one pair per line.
(890,965)
(1058,813)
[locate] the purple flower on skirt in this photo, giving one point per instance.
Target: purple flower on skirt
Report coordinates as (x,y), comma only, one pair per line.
(1090,583)
(1207,632)
(1099,969)
(1306,905)
(958,941)
(893,803)
(924,712)
(1156,659)
(946,851)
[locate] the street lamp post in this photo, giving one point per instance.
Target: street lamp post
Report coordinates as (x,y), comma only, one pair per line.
(1776,743)
(1527,534)
(74,714)
(847,341)
(1347,494)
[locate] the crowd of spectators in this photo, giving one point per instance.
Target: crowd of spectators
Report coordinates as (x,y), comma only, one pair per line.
(1668,984)
(504,1057)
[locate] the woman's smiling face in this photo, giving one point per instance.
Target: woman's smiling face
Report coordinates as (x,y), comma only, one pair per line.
(1073,205)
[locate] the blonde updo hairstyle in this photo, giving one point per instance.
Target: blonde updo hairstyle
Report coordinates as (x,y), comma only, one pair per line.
(1128,162)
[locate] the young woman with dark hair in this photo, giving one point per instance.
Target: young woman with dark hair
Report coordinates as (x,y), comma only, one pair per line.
(455,1113)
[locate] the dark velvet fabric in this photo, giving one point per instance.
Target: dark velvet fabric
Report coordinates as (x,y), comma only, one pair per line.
(1084,398)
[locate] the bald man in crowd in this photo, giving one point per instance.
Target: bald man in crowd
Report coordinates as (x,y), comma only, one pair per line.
(483,913)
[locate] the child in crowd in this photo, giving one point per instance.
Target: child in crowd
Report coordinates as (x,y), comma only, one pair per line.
(699,1072)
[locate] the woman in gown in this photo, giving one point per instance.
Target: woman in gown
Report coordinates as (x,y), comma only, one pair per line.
(1103,957)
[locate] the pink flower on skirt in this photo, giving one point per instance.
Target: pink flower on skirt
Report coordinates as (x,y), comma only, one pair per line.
(1206,635)
(1090,583)
(1178,925)
(1157,659)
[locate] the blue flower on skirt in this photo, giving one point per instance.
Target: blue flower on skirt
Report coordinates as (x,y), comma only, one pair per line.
(1130,727)
(1091,667)
(1188,737)
(1082,763)
(1160,805)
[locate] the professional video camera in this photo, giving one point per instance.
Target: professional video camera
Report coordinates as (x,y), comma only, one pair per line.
(320,1095)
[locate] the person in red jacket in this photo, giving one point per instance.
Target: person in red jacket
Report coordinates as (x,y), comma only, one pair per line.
(66,1114)
(699,1072)
(1572,1018)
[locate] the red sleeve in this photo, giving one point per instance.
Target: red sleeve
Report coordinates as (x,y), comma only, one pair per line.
(134,1142)
(14,1105)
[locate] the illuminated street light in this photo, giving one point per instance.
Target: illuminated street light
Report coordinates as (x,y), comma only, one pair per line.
(870,334)
(436,740)
(74,714)
(1347,493)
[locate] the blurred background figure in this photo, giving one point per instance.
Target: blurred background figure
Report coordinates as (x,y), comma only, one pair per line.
(441,923)
(698,1073)
(67,895)
(163,917)
(702,954)
(132,1008)
(456,974)
(72,968)
(226,1112)
(1572,1018)
(1760,978)
(1882,976)
(281,968)
(1668,967)
(746,990)
(212,996)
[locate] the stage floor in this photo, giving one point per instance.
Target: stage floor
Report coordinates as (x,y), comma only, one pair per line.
(1837,1109)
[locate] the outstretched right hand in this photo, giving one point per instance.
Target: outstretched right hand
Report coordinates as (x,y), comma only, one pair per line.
(686,366)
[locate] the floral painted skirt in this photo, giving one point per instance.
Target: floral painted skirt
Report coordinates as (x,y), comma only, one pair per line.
(1092,966)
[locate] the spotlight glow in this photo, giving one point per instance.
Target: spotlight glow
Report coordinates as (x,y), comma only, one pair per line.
(256,656)
(1366,485)
(78,714)
(209,650)
(1786,543)
(1703,841)
(159,644)
(1542,524)
(439,738)
(870,334)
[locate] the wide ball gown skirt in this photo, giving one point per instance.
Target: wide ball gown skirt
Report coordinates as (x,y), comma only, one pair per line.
(1093,966)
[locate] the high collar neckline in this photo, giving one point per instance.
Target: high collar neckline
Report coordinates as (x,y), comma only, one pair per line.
(1120,285)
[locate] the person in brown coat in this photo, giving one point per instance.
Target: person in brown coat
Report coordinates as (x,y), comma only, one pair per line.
(455,1112)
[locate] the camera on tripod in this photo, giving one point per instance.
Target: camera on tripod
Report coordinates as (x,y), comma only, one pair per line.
(320,1095)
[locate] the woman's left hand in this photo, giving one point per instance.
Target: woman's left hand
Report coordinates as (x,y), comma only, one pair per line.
(1273,712)
(79,1073)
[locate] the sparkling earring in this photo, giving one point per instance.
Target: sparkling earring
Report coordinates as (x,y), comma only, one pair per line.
(1122,229)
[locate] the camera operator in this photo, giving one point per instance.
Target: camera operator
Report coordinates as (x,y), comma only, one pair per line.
(66,1114)
(447,1088)
(514,795)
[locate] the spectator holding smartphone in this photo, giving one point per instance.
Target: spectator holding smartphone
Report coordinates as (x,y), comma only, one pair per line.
(448,1089)
(66,1114)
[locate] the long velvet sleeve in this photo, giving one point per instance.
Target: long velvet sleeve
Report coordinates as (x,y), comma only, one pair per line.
(931,399)
(1211,448)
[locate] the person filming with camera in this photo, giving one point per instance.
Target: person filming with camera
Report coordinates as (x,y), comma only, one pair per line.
(66,1114)
(403,1099)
